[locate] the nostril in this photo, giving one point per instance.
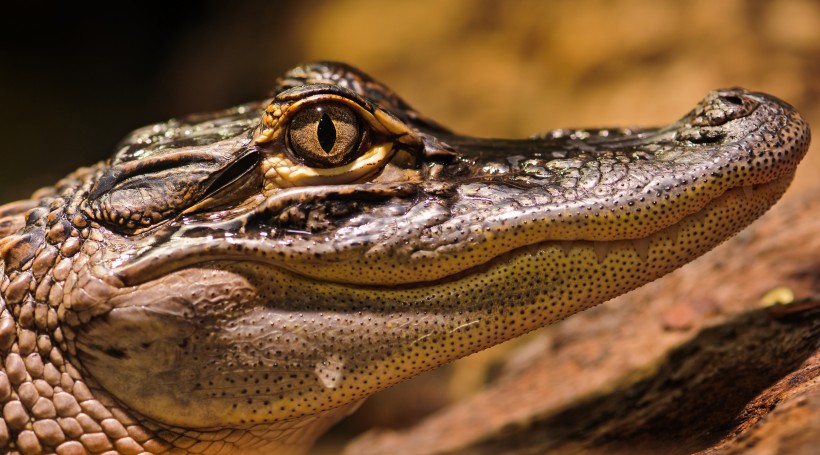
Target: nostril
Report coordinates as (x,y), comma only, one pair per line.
(734,99)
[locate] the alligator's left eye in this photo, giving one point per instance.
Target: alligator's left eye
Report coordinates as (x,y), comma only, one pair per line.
(325,135)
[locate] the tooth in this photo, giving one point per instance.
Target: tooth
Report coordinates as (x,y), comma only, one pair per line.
(641,247)
(672,233)
(601,249)
(722,198)
(566,245)
(698,220)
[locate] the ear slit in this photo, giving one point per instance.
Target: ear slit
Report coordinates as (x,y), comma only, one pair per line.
(234,172)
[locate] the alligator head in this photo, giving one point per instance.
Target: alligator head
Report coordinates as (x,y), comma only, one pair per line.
(239,280)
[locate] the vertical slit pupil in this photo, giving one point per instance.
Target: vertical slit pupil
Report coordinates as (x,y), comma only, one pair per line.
(326,133)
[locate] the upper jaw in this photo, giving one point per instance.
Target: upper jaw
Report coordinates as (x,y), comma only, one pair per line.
(488,197)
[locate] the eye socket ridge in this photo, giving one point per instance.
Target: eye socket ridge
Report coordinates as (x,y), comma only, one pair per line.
(325,134)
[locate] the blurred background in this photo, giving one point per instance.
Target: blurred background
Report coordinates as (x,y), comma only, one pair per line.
(75,78)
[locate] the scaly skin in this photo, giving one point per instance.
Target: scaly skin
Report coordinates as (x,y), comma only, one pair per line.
(210,289)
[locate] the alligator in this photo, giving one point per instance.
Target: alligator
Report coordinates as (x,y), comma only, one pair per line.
(238,281)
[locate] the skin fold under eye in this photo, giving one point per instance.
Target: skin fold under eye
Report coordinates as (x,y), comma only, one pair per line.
(324,136)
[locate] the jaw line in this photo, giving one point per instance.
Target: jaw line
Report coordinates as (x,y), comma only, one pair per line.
(237,249)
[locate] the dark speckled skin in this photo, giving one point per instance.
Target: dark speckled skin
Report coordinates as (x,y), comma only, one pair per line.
(204,291)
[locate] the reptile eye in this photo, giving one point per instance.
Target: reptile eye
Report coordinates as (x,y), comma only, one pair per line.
(327,135)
